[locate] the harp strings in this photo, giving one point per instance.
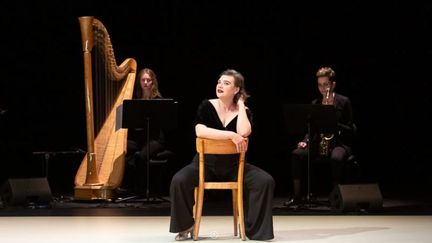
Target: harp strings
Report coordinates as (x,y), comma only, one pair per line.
(106,86)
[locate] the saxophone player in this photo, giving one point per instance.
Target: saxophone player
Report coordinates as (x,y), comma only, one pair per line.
(334,147)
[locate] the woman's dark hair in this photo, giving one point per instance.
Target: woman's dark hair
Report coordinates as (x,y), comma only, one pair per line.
(238,82)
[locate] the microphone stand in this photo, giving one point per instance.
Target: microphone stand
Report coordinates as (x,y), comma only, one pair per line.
(148,161)
(48,154)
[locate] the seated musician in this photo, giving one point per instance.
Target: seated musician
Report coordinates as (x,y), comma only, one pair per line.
(335,147)
(136,157)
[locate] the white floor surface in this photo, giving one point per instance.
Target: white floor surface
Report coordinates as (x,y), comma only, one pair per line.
(95,229)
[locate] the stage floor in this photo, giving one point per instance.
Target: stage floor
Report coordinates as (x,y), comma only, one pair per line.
(215,229)
(66,206)
(136,220)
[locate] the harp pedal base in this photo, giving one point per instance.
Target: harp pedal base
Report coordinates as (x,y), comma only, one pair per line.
(94,193)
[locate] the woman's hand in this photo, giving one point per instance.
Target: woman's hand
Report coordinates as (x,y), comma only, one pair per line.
(240,142)
(241,100)
(301,145)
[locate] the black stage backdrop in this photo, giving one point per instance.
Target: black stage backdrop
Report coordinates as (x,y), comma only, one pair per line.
(381,54)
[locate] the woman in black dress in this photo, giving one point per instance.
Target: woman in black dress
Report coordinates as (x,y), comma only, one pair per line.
(225,117)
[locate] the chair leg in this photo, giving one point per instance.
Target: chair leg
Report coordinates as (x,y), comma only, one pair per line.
(199,205)
(195,200)
(241,213)
(235,211)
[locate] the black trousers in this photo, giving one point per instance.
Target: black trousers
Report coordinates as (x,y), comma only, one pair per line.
(258,197)
(337,158)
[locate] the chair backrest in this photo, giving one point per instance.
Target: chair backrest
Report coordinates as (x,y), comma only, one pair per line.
(213,146)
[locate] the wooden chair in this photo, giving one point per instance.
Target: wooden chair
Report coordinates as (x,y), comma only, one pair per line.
(209,146)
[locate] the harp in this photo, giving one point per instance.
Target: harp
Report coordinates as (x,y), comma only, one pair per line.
(106,86)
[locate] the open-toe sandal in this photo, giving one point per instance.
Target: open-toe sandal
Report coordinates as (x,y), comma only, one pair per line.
(184,235)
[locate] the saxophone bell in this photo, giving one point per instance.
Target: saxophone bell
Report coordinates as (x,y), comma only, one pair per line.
(325,144)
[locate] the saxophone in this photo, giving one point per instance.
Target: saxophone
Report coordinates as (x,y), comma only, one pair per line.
(325,139)
(324,145)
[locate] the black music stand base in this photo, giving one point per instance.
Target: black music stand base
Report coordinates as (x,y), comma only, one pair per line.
(310,202)
(143,199)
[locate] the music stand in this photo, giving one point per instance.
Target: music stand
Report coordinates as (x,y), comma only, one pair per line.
(309,119)
(140,114)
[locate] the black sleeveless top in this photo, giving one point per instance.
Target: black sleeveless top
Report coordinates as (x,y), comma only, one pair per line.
(207,115)
(222,166)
